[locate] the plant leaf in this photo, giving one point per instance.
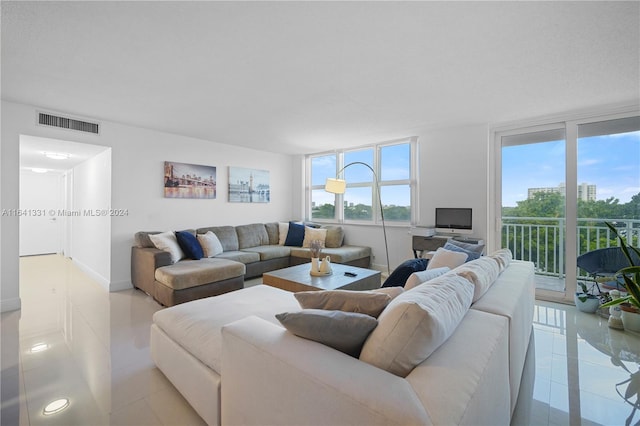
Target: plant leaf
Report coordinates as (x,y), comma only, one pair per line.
(615,302)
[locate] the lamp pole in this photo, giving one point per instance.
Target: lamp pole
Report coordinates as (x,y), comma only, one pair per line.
(384,229)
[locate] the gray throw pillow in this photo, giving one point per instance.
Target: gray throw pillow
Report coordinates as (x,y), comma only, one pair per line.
(362,302)
(477,248)
(335,236)
(343,331)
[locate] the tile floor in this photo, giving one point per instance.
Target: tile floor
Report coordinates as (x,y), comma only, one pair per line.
(96,353)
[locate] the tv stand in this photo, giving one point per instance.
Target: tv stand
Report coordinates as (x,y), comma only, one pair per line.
(468,240)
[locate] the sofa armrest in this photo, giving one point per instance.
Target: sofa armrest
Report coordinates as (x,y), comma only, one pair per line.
(271,376)
(144,262)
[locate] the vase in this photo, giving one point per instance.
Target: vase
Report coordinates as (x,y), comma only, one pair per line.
(590,305)
(325,266)
(630,318)
(315,264)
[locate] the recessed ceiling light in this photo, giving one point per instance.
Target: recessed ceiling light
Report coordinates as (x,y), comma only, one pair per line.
(57,155)
(55,406)
(39,170)
(39,347)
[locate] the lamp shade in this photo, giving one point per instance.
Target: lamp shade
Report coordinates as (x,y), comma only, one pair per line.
(335,186)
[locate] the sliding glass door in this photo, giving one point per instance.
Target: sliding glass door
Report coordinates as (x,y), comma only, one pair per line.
(557,186)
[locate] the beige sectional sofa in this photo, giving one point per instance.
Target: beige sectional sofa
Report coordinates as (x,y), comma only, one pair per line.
(236,364)
(248,252)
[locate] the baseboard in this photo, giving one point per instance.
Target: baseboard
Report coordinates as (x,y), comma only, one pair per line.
(120,285)
(10,305)
(92,274)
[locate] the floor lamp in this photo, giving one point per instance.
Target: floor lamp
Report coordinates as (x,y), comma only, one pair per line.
(338,186)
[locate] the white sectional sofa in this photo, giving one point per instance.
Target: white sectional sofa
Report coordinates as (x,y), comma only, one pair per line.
(236,364)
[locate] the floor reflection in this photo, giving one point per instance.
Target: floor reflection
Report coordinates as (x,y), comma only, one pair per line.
(586,373)
(78,343)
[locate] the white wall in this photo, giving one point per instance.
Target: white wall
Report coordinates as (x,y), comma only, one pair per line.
(452,171)
(91,230)
(138,157)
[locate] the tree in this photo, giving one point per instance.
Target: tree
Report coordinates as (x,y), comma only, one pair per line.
(542,233)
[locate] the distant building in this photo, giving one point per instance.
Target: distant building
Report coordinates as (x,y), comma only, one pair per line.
(586,192)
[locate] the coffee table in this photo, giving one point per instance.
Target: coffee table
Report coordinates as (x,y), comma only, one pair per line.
(297,278)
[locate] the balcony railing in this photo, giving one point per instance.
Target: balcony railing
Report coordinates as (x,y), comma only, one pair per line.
(542,240)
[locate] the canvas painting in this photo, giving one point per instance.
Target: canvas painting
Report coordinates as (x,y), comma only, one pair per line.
(248,185)
(189,181)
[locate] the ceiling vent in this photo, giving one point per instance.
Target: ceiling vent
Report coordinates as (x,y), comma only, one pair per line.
(45,119)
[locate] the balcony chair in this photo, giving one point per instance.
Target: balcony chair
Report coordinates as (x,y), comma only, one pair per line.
(606,262)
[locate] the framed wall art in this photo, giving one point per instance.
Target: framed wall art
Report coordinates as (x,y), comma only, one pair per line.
(249,185)
(189,181)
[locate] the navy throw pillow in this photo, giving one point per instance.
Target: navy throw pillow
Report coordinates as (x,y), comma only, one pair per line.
(399,276)
(295,236)
(189,245)
(471,255)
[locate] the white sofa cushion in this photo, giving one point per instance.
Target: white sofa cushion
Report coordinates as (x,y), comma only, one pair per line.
(482,273)
(450,259)
(503,257)
(363,302)
(416,323)
(420,277)
(513,296)
(168,242)
(211,245)
(196,325)
(465,381)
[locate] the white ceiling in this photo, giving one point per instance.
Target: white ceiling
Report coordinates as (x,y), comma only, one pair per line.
(299,77)
(33,149)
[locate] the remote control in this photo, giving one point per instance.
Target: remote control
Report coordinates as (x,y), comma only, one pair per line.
(350,274)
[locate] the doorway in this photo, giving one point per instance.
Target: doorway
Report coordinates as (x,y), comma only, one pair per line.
(46,193)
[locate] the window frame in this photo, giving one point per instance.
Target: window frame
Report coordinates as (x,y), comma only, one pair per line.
(412,182)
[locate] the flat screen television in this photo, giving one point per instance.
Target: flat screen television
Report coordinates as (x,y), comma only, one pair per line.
(454,220)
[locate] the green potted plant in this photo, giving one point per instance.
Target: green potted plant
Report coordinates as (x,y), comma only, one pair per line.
(588,300)
(630,302)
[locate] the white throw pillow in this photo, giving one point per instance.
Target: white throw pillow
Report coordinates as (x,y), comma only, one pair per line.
(211,245)
(482,273)
(168,242)
(416,323)
(311,234)
(503,257)
(448,258)
(283,230)
(420,277)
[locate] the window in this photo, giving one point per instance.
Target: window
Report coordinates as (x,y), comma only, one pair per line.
(393,163)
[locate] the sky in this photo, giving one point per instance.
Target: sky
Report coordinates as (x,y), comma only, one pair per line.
(611,162)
